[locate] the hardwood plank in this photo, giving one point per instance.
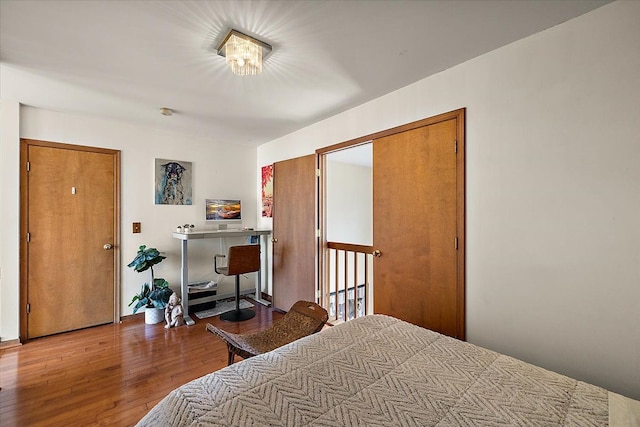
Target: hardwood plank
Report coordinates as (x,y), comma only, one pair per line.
(111,374)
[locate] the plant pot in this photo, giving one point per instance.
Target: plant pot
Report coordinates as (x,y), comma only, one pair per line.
(153,315)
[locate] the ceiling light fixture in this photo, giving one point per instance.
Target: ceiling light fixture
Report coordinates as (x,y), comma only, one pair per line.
(244,54)
(166,111)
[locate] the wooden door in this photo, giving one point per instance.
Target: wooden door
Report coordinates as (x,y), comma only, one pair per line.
(69,213)
(294,231)
(418,218)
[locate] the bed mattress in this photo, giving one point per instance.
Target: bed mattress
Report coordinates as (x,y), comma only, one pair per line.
(381,371)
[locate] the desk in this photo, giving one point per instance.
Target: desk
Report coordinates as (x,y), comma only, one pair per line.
(218,234)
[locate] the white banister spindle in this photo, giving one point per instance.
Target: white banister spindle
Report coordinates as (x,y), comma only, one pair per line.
(339,281)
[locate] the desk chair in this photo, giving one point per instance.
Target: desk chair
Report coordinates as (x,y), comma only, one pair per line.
(303,319)
(241,259)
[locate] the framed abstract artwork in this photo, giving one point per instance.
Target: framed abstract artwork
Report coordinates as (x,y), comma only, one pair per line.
(173,182)
(267,191)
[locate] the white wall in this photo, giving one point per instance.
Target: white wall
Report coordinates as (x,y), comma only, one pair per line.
(220,171)
(349,216)
(553,190)
(349,203)
(9,218)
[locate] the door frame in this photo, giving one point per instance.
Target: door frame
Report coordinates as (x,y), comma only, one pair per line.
(25,143)
(459,116)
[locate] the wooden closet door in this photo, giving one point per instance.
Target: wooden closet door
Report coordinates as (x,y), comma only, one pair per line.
(294,231)
(415,215)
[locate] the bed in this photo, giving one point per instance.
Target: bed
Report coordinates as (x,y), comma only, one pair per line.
(381,371)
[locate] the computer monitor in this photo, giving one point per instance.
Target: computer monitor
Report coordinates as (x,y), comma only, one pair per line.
(223,211)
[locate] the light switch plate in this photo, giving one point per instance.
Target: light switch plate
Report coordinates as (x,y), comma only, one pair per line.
(137,228)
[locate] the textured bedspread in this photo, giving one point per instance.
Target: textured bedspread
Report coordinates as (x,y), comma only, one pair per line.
(380,371)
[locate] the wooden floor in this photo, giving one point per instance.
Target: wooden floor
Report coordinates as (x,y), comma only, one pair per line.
(109,375)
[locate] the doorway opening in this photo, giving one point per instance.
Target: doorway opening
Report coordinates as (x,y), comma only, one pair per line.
(348,223)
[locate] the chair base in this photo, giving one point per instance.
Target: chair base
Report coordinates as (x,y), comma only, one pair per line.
(237,315)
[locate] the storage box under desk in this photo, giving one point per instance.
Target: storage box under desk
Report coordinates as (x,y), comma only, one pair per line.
(202,299)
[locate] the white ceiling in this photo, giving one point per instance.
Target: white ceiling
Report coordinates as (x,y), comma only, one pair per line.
(126,59)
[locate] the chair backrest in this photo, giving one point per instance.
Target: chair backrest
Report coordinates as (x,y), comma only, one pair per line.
(243,259)
(312,310)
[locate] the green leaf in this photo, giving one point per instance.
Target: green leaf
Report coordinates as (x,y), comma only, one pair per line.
(145,258)
(160,283)
(160,297)
(142,303)
(142,296)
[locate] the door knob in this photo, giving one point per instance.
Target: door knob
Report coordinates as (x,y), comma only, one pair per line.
(107,246)
(274,240)
(377,253)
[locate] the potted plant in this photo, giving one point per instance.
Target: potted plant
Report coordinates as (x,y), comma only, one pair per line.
(154,295)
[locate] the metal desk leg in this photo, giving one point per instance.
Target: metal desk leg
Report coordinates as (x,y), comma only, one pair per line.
(184,284)
(263,249)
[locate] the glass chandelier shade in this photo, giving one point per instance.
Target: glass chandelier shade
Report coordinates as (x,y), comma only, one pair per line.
(243,54)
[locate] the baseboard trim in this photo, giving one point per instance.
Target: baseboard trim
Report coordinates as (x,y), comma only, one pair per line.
(10,344)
